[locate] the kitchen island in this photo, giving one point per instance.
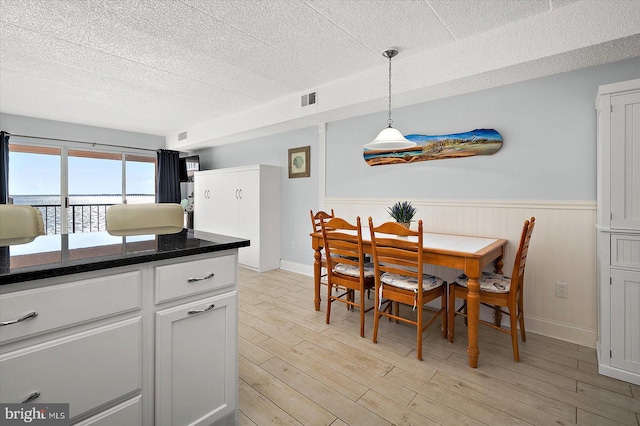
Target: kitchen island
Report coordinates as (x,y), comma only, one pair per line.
(135,330)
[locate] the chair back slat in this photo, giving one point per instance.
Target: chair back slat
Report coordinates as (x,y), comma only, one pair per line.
(520,260)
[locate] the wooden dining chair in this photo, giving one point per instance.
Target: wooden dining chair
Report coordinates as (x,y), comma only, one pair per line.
(398,264)
(346,268)
(498,291)
(319,217)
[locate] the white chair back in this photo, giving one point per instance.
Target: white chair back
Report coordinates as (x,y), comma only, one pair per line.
(139,219)
(19,224)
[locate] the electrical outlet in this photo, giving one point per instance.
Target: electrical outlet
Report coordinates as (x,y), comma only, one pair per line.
(562,290)
(293,245)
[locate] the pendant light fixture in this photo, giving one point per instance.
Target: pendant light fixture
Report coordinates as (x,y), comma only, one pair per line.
(389,138)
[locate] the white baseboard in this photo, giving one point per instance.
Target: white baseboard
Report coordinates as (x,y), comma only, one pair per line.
(557,330)
(299,268)
(616,373)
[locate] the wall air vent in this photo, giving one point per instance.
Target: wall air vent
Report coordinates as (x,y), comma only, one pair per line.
(182,136)
(309,98)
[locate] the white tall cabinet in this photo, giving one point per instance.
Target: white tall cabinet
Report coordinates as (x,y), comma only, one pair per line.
(242,202)
(618,227)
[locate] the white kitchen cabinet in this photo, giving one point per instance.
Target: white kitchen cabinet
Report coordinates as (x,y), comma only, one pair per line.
(140,354)
(246,205)
(618,227)
(196,362)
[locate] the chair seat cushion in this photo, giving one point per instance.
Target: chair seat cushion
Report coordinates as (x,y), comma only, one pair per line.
(323,255)
(429,282)
(354,271)
(489,282)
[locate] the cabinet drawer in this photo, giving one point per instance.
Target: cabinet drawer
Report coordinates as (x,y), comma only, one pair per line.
(67,304)
(128,413)
(187,278)
(625,251)
(86,369)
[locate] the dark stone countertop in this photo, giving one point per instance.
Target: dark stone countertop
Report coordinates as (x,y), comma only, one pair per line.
(64,254)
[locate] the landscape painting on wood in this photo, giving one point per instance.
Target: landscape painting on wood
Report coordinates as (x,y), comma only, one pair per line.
(436,147)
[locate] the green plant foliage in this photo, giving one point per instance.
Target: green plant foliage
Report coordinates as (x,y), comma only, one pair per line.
(402,211)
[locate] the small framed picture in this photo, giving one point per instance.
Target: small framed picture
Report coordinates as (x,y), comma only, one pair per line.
(299,162)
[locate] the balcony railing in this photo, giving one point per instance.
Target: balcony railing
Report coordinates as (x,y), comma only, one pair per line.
(82,217)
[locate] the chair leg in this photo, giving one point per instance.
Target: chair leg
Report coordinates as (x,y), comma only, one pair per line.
(396,310)
(466,316)
(329,289)
(362,313)
(497,315)
(523,335)
(514,334)
(443,298)
(451,312)
(419,334)
(376,320)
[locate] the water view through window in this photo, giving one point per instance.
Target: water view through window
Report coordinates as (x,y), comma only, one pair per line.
(95,181)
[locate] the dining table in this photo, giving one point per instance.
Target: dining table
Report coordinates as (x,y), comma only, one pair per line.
(467,253)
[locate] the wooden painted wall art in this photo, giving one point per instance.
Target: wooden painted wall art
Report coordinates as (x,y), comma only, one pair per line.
(436,147)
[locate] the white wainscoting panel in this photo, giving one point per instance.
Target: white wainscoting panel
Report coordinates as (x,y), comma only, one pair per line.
(563,249)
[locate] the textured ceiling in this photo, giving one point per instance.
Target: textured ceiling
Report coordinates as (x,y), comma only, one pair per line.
(166,66)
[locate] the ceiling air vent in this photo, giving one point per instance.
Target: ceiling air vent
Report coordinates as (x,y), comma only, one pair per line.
(182,136)
(309,98)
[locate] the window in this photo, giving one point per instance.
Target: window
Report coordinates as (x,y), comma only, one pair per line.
(73,187)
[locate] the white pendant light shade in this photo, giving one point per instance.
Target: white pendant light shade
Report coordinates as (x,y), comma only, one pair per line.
(389,139)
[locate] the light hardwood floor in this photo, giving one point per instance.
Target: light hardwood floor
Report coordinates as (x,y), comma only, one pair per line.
(295,369)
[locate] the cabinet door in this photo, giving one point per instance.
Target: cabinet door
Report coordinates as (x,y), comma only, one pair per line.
(249,217)
(230,203)
(625,161)
(214,209)
(207,195)
(200,202)
(196,365)
(625,320)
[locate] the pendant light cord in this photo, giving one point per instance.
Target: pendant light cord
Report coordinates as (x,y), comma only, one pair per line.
(389,120)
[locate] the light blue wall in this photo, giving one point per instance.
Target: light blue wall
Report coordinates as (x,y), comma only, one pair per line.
(549,150)
(297,196)
(21,125)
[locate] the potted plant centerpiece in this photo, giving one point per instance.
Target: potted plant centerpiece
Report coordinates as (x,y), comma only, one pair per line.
(402,212)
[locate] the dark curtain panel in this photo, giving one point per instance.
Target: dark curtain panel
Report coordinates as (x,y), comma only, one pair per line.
(4,192)
(4,165)
(168,190)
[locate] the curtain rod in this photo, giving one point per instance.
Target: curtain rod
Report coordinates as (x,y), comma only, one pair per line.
(86,143)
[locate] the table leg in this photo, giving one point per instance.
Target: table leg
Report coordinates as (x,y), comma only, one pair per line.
(317,271)
(473,312)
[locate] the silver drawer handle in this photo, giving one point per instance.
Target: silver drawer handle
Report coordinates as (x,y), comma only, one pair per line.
(29,316)
(202,310)
(31,397)
(193,280)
